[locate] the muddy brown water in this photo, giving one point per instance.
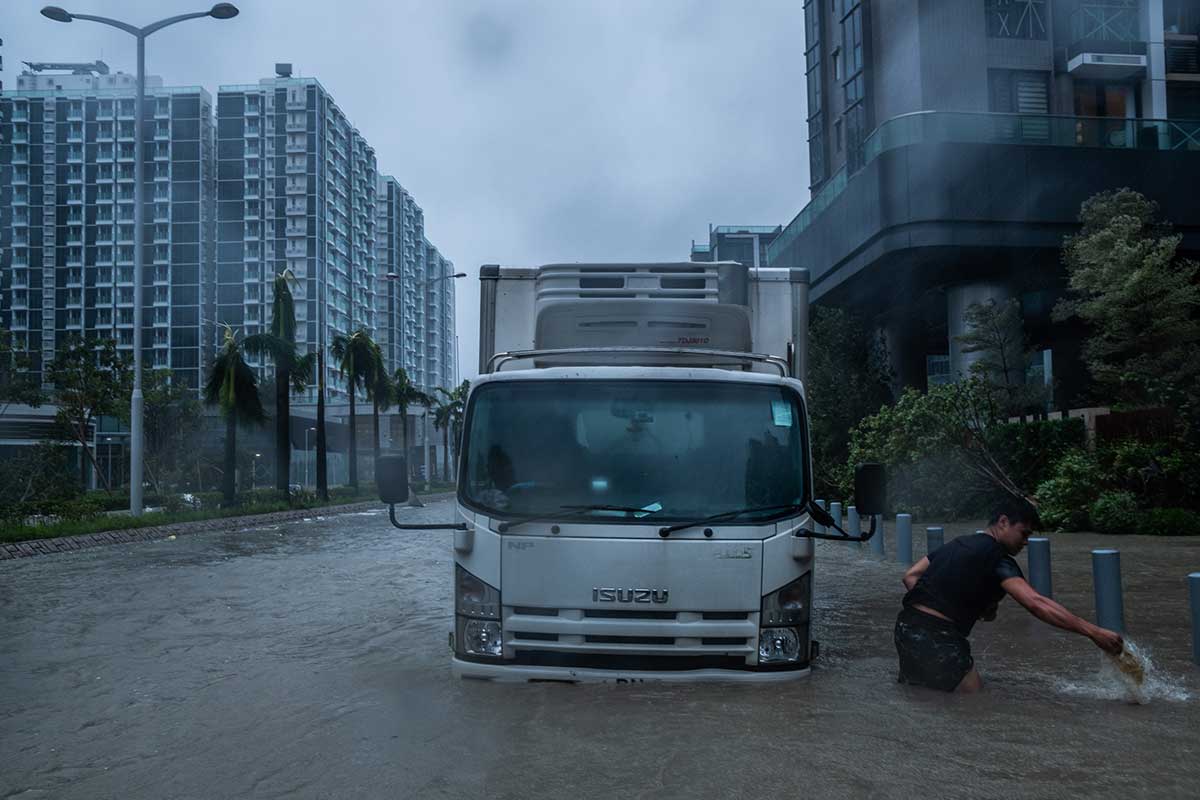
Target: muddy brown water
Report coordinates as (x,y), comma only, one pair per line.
(310,660)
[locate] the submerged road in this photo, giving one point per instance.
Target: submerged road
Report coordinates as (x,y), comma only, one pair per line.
(310,660)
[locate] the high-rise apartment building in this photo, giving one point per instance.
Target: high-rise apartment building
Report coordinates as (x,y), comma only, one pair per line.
(415,309)
(277,179)
(296,190)
(66,215)
(951,143)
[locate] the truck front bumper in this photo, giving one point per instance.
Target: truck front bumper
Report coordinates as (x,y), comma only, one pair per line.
(521,673)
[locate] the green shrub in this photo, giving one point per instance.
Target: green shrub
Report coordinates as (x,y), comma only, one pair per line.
(1115,512)
(1030,451)
(1170,522)
(1064,498)
(84,507)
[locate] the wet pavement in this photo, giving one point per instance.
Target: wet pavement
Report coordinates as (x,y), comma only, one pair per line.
(310,660)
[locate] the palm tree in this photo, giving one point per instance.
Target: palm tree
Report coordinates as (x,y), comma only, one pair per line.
(380,391)
(356,364)
(441,422)
(406,393)
(449,419)
(293,371)
(231,385)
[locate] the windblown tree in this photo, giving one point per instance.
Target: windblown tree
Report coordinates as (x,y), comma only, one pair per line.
(17,383)
(293,370)
(996,332)
(449,419)
(406,393)
(848,380)
(90,379)
(171,420)
(1140,302)
(232,386)
(356,359)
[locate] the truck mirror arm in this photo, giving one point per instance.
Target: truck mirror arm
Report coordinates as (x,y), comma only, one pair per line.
(440,526)
(823,518)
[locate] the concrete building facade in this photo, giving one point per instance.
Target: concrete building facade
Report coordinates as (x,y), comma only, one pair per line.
(951,143)
(296,190)
(66,216)
(415,308)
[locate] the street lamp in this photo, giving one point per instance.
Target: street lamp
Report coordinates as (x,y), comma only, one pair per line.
(391,276)
(307,452)
(136,436)
(254,473)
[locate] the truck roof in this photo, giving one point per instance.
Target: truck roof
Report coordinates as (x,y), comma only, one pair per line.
(638,373)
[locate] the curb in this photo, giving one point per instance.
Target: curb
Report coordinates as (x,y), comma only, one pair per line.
(85,541)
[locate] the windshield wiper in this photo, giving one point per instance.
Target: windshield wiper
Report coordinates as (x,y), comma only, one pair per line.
(575,513)
(724,516)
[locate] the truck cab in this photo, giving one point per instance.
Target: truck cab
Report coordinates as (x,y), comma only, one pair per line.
(635,481)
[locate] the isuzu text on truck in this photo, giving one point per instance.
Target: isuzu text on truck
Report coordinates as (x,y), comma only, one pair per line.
(634,488)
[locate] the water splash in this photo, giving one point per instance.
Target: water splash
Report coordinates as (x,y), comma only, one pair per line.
(1132,676)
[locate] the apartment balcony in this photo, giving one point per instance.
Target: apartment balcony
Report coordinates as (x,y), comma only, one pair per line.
(1106,41)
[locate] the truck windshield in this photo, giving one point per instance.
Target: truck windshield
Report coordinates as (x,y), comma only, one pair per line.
(677,450)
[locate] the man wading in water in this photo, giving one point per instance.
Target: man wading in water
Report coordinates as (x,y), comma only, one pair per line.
(963,581)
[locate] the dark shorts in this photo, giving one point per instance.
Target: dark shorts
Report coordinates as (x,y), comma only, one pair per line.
(933,652)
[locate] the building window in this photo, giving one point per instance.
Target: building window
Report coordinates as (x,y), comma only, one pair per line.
(1015,19)
(854,84)
(815,81)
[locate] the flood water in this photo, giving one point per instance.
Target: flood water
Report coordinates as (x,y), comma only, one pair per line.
(311,660)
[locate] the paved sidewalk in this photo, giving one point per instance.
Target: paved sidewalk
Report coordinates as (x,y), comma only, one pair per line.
(66,544)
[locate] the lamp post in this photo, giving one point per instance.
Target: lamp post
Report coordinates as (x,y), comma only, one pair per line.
(308,455)
(392,276)
(136,434)
(254,473)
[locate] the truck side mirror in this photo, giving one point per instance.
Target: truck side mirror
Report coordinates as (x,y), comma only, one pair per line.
(391,478)
(870,489)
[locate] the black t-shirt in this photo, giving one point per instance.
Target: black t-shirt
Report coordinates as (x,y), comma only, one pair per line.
(963,579)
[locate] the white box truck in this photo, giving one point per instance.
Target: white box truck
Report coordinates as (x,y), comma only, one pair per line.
(635,483)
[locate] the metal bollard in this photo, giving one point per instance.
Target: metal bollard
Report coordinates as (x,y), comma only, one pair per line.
(1039,566)
(835,511)
(1106,576)
(1194,593)
(819,528)
(934,538)
(904,538)
(877,539)
(853,525)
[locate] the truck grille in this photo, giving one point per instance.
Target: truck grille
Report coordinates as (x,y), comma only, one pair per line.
(696,637)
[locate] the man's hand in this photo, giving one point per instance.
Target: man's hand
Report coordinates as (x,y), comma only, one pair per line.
(1108,641)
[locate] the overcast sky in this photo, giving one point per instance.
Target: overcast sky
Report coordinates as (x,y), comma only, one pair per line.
(530,131)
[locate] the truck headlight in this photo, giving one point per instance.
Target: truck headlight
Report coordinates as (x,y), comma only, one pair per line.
(477,628)
(479,637)
(778,645)
(788,605)
(473,597)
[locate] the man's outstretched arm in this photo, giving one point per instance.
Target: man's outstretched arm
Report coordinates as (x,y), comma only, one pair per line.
(915,572)
(1057,615)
